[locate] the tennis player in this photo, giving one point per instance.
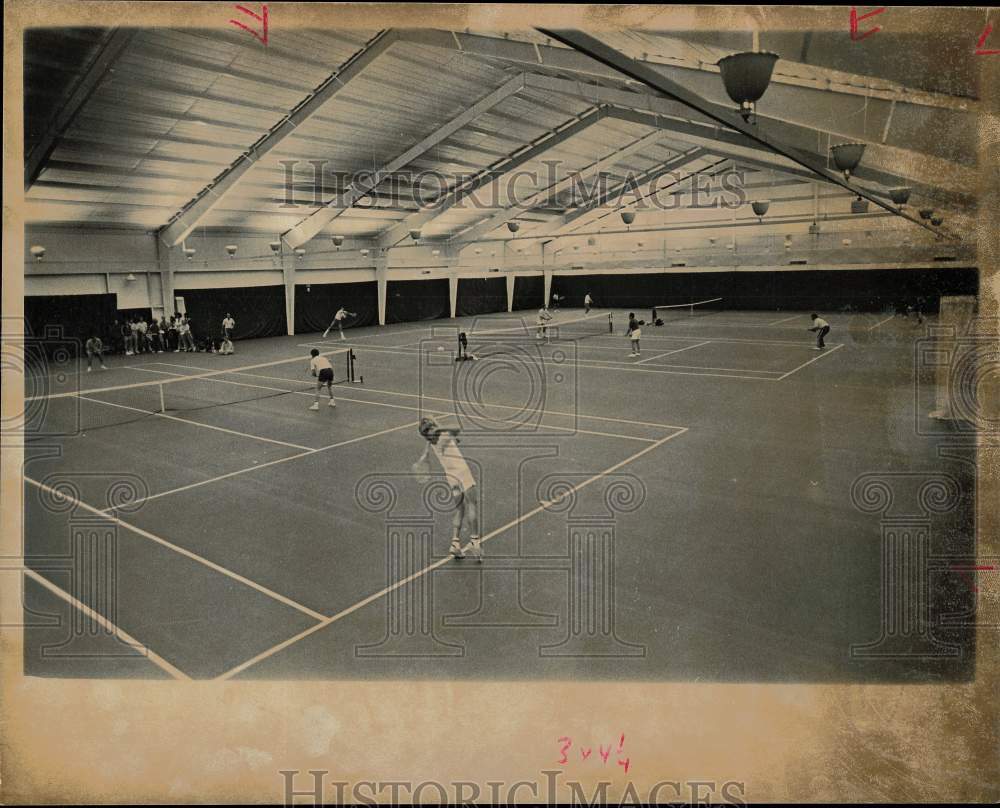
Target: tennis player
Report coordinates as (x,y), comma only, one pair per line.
(94,348)
(338,320)
(544,315)
(634,332)
(822,328)
(228,324)
(588,301)
(444,444)
(321,368)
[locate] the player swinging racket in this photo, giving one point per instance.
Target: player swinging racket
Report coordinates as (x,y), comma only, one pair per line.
(544,315)
(321,368)
(444,444)
(338,320)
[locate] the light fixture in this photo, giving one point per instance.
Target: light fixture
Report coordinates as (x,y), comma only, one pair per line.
(275,246)
(435,252)
(591,242)
(130,277)
(760,207)
(513,226)
(300,252)
(38,251)
(364,251)
(415,235)
(337,241)
(231,250)
(859,205)
(628,217)
(846,242)
(746,77)
(189,253)
(846,157)
(926,213)
(478,251)
(899,196)
(937,220)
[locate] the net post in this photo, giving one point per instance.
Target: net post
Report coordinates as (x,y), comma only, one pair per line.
(611,323)
(163,406)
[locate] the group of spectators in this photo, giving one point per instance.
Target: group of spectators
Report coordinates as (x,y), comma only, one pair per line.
(173,334)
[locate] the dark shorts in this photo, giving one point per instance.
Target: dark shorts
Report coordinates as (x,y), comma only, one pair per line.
(326,376)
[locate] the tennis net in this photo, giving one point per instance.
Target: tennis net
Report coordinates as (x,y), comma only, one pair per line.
(477,344)
(173,393)
(684,311)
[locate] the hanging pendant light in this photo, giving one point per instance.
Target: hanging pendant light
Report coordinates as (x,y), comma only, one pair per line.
(760,207)
(926,213)
(628,217)
(513,226)
(746,77)
(846,157)
(337,241)
(937,220)
(899,196)
(859,205)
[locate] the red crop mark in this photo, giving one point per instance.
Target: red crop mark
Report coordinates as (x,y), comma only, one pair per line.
(261,18)
(963,570)
(621,743)
(604,755)
(855,19)
(625,763)
(982,41)
(585,753)
(565,748)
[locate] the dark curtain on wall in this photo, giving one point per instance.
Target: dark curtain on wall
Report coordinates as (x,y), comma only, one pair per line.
(528,292)
(481,296)
(316,304)
(259,311)
(49,319)
(407,301)
(791,290)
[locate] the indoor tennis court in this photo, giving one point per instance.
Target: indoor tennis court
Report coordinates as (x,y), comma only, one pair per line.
(415,353)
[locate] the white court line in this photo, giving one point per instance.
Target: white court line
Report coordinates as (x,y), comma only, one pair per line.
(882,322)
(815,358)
(177,549)
(194,423)
(189,486)
(631,367)
(678,350)
(521,409)
(454,401)
(106,624)
(785,319)
(440,562)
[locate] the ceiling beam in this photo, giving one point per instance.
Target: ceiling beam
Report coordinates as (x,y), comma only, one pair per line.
(677,116)
(630,67)
(110,51)
(503,216)
(188,217)
(316,221)
(527,153)
(646,177)
(530,54)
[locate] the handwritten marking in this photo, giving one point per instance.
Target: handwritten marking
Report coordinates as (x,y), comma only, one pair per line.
(261,18)
(855,19)
(982,41)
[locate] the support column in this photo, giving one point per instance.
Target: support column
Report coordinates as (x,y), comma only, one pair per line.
(548,285)
(288,276)
(453,291)
(166,277)
(510,292)
(382,280)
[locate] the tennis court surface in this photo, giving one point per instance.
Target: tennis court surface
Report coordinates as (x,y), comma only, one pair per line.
(691,513)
